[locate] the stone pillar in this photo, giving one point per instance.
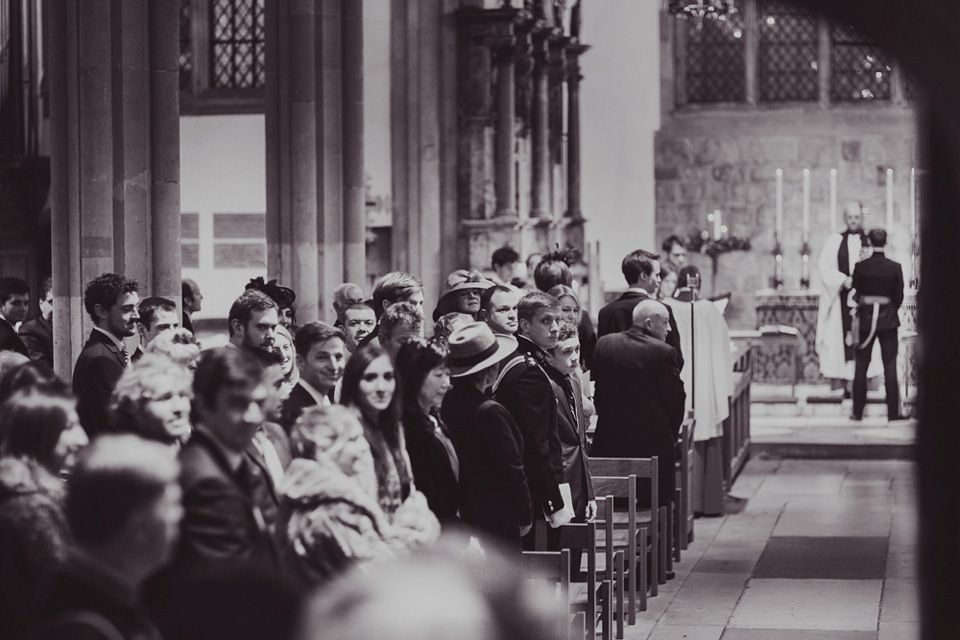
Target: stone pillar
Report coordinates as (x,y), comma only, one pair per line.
(354,205)
(504,156)
(423,41)
(306,134)
(540,196)
(574,215)
(115,144)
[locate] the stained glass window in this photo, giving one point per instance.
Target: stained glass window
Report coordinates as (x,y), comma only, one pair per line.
(788,53)
(860,70)
(716,60)
(186,45)
(237,44)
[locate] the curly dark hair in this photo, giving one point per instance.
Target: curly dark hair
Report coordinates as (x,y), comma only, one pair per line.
(105,290)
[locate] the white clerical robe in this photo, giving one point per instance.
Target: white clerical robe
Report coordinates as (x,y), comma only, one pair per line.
(830,338)
(710,359)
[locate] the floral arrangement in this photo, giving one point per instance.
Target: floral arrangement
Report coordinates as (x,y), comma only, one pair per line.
(704,243)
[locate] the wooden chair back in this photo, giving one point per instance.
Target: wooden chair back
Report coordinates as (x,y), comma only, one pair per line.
(552,566)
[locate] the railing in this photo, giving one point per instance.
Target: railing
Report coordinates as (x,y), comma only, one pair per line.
(736,428)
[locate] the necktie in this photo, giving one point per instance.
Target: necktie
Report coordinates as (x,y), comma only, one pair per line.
(126,356)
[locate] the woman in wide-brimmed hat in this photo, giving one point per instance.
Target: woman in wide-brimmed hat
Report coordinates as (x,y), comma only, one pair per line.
(461,293)
(494,494)
(285,297)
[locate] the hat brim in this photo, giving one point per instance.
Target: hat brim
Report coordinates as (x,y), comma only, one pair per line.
(506,346)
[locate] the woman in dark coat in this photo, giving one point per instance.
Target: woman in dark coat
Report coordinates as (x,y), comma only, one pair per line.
(433,458)
(493,486)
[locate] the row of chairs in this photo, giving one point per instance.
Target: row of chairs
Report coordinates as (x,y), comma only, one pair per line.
(621,548)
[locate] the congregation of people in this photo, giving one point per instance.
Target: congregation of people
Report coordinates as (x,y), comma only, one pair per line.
(178,491)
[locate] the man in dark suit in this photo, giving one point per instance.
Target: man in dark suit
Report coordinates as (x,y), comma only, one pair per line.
(14,301)
(222,518)
(111,300)
(639,395)
(192,301)
(642,272)
(320,360)
(878,282)
(37,333)
(527,393)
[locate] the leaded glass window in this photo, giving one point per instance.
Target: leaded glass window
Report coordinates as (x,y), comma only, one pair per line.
(186,44)
(860,70)
(716,63)
(788,53)
(237,44)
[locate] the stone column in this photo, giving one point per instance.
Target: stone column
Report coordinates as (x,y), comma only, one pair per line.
(426,241)
(114,148)
(504,156)
(306,134)
(354,205)
(574,214)
(540,195)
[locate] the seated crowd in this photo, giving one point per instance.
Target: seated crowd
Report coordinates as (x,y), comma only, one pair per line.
(249,473)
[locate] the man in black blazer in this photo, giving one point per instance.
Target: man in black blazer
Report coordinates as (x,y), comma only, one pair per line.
(222,520)
(878,282)
(527,393)
(111,300)
(642,272)
(37,333)
(14,301)
(321,356)
(639,395)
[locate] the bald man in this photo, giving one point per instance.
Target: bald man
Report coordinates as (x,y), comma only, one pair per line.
(345,295)
(639,395)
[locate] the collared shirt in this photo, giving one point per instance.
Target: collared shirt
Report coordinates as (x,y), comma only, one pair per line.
(319,398)
(270,458)
(119,343)
(639,290)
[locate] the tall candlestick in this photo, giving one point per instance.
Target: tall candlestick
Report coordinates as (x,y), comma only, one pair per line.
(913,202)
(778,226)
(833,200)
(889,200)
(717,224)
(806,204)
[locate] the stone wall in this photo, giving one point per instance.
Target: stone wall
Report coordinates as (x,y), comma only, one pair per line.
(727,159)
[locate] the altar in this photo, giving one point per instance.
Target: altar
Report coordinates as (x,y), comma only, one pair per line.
(784,363)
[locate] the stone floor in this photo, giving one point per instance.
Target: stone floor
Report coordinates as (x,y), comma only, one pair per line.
(823,550)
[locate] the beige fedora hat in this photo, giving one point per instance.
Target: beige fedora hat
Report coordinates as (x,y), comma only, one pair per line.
(474,347)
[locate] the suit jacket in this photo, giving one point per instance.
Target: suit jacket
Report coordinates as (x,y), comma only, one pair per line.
(10,340)
(494,496)
(878,275)
(640,401)
(527,393)
(618,316)
(298,400)
(37,335)
(430,465)
(588,339)
(221,519)
(95,375)
(571,427)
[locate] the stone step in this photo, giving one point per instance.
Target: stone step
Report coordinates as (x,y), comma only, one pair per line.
(875,407)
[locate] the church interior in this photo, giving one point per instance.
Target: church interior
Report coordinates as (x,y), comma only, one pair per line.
(334,141)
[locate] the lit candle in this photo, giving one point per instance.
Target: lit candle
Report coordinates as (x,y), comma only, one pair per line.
(833,200)
(806,204)
(717,224)
(913,202)
(778,226)
(889,200)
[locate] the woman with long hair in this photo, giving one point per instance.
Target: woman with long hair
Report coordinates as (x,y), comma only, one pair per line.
(370,387)
(433,459)
(288,354)
(40,435)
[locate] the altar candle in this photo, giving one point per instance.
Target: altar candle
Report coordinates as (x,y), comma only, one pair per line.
(913,202)
(806,204)
(833,200)
(778,226)
(889,200)
(717,224)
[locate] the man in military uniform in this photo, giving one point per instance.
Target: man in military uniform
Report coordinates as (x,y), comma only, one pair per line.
(525,390)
